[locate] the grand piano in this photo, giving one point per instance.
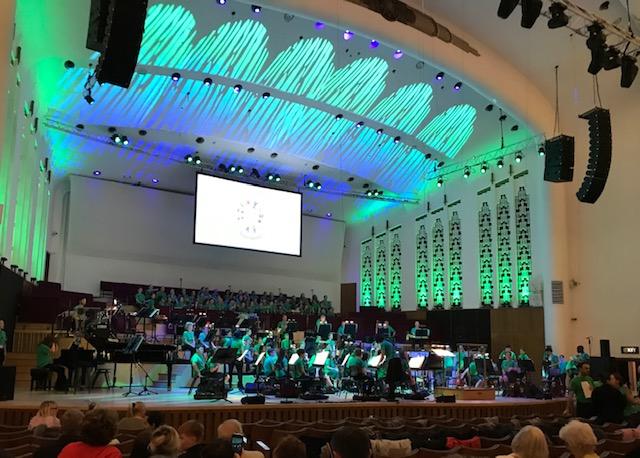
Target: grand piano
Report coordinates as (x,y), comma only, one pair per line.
(109,350)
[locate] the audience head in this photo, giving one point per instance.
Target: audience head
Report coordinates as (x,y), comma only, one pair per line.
(530,442)
(290,447)
(579,438)
(584,368)
(1,324)
(350,442)
(155,419)
(99,427)
(228,428)
(191,433)
(138,409)
(71,422)
(164,441)
(48,409)
(219,448)
(615,380)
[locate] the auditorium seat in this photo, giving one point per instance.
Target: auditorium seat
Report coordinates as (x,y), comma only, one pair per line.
(495,450)
(624,447)
(556,451)
(428,453)
(489,441)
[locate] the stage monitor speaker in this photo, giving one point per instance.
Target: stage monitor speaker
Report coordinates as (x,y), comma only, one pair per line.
(7,382)
(118,37)
(446,399)
(600,148)
(259,399)
(605,348)
(559,159)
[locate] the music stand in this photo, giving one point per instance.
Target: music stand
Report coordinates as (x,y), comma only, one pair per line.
(382,331)
(526,365)
(226,357)
(131,348)
(423,332)
(324,330)
(350,329)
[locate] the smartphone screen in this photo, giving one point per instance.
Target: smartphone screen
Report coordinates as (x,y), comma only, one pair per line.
(237,442)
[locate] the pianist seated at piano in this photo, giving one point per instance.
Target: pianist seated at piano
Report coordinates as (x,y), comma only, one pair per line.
(416,326)
(44,360)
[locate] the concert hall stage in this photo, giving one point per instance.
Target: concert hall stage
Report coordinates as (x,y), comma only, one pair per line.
(178,407)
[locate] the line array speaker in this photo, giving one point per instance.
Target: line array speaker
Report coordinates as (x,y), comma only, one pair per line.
(559,159)
(118,36)
(600,147)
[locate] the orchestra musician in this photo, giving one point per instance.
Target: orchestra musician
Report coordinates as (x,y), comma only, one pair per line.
(392,331)
(281,328)
(238,365)
(198,366)
(44,360)
(202,336)
(412,331)
(269,364)
(79,314)
(320,321)
(188,338)
(508,366)
(299,370)
(503,353)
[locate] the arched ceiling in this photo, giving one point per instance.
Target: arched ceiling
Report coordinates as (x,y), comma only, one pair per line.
(311,73)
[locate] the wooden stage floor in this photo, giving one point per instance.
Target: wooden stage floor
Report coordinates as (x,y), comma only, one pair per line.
(178,407)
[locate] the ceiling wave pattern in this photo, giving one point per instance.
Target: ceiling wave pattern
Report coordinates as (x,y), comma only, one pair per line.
(299,120)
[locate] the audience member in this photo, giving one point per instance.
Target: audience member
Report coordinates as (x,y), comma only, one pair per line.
(230,427)
(608,401)
(141,443)
(220,448)
(137,419)
(290,447)
(99,428)
(71,426)
(580,439)
(581,388)
(191,439)
(530,442)
(350,442)
(47,416)
(165,442)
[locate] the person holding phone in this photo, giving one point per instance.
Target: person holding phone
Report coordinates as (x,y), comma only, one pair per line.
(231,430)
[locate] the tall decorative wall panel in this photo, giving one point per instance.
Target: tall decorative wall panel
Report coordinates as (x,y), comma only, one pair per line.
(395,268)
(422,265)
(504,260)
(455,261)
(486,255)
(523,246)
(366,273)
(438,265)
(381,270)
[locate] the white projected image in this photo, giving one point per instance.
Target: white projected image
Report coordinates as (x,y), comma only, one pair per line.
(241,215)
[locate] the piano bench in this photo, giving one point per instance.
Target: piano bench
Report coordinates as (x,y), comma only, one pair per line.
(40,379)
(106,373)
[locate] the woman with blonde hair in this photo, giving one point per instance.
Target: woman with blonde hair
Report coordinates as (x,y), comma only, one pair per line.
(530,442)
(165,442)
(580,439)
(47,416)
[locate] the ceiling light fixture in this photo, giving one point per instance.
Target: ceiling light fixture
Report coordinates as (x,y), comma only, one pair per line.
(175,76)
(237,88)
(440,182)
(188,158)
(208,81)
(256,9)
(347,35)
(319,25)
(518,158)
(500,163)
(97,173)
(266,95)
(483,168)
(457,86)
(117,139)
(197,160)
(373,44)
(359,124)
(439,76)
(398,54)
(397,139)
(155,181)
(541,150)
(125,140)
(90,100)
(222,2)
(467,172)
(379,131)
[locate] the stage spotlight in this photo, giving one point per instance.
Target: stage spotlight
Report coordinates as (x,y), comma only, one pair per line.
(457,86)
(518,158)
(500,163)
(222,2)
(379,131)
(596,44)
(240,169)
(266,95)
(376,193)
(255,173)
(530,12)
(310,184)
(175,76)
(117,139)
(222,168)
(197,160)
(558,16)
(398,54)
(483,168)
(125,140)
(339,116)
(188,158)
(232,168)
(440,76)
(155,181)
(629,70)
(467,172)
(90,100)
(277,178)
(440,182)
(373,44)
(396,139)
(319,25)
(256,9)
(506,8)
(329,215)
(359,124)
(611,58)
(318,186)
(369,193)
(541,150)
(237,88)
(347,35)
(270,176)
(97,173)
(208,81)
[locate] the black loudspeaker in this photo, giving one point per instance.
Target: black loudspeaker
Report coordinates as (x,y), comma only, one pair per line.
(118,36)
(446,399)
(559,159)
(600,147)
(7,382)
(259,399)
(605,348)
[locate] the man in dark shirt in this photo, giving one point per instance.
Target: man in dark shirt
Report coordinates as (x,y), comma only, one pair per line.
(70,423)
(608,401)
(191,439)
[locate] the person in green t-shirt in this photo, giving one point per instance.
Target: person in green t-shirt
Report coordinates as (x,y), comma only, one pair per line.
(299,369)
(269,364)
(44,360)
(281,328)
(355,364)
(522,356)
(503,353)
(198,366)
(392,331)
(580,390)
(320,321)
(140,298)
(161,297)
(3,342)
(189,338)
